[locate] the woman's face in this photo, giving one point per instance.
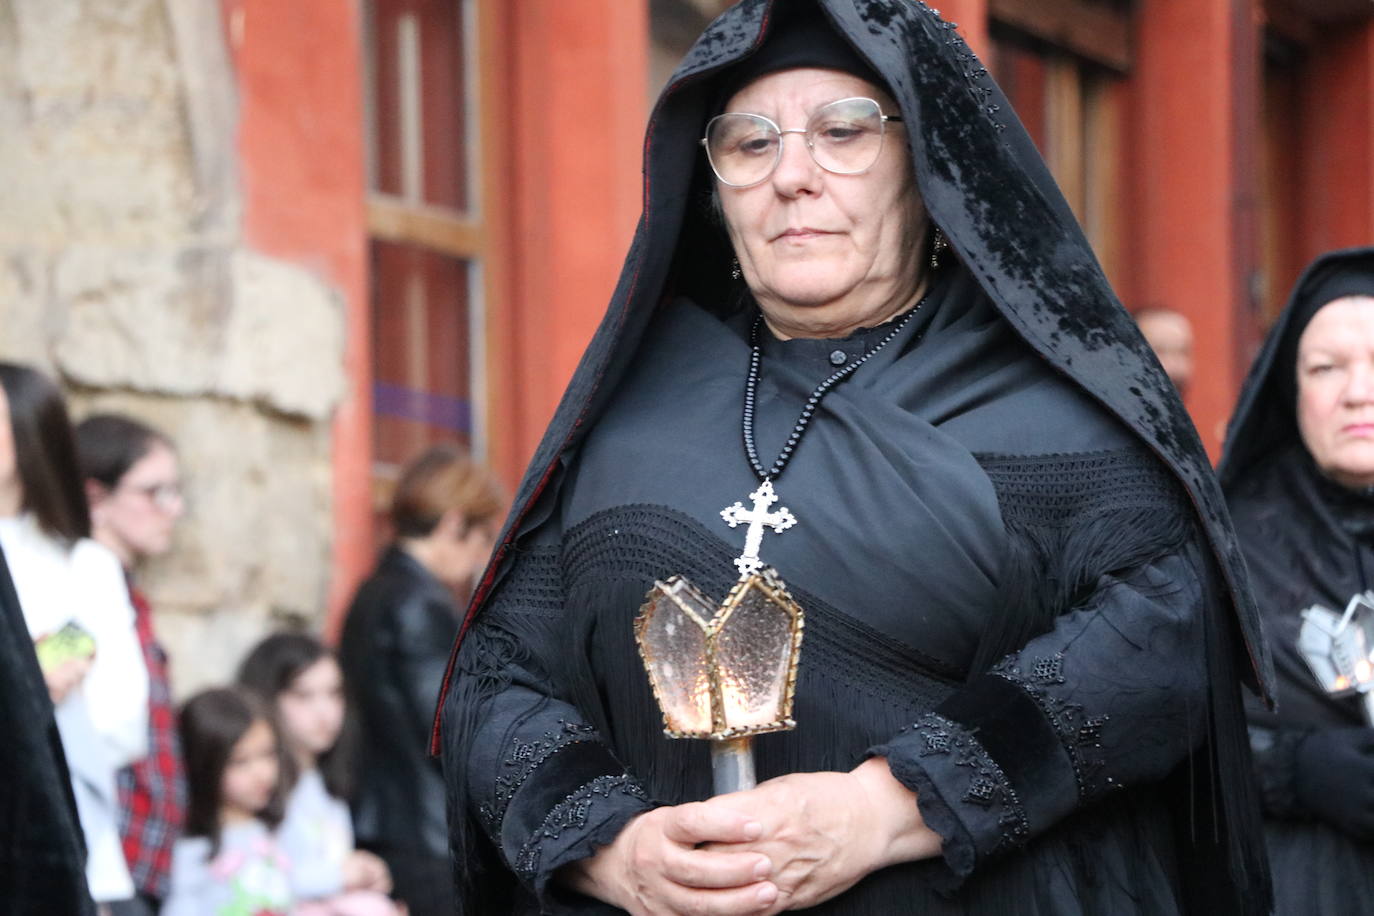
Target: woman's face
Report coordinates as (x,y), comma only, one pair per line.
(312,709)
(136,518)
(823,253)
(466,552)
(1336,390)
(251,774)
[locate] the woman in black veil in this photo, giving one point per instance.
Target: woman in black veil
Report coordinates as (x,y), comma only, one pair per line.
(1026,623)
(1298,474)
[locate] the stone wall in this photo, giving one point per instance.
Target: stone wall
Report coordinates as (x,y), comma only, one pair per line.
(124,273)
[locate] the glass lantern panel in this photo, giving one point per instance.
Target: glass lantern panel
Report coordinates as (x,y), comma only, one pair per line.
(672,637)
(754,655)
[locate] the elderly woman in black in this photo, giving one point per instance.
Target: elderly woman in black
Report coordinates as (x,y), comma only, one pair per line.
(1298,474)
(855,284)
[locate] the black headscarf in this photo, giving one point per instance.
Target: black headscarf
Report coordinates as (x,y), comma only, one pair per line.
(1265,420)
(982,181)
(795,42)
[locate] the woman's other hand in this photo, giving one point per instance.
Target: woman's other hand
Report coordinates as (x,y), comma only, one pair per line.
(656,866)
(824,832)
(64,677)
(1334,778)
(363,871)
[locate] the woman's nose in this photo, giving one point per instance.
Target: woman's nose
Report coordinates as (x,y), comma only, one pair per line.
(797,171)
(1359,387)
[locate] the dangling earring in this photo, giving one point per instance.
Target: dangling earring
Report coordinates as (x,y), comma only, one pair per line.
(735,272)
(938,244)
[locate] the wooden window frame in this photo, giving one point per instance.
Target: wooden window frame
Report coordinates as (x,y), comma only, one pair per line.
(1098,31)
(475,236)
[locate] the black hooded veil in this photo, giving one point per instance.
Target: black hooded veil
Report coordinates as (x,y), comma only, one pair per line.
(1020,582)
(1307,540)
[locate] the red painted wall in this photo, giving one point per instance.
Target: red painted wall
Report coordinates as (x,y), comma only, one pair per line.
(301,154)
(576,83)
(972,18)
(1183,185)
(1337,153)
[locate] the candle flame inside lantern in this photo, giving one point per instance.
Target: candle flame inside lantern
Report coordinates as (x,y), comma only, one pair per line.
(721,673)
(1337,646)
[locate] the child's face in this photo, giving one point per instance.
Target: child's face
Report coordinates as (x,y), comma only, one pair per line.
(251,773)
(312,708)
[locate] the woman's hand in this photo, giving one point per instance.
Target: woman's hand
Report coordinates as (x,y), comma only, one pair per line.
(656,868)
(363,871)
(824,832)
(66,676)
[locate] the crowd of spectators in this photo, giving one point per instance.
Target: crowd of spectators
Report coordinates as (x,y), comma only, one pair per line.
(302,789)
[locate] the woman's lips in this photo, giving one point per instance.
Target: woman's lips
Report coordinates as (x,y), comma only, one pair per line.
(1359,429)
(802,234)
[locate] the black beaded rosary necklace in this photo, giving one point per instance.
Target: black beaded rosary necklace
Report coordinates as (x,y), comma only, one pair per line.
(759,517)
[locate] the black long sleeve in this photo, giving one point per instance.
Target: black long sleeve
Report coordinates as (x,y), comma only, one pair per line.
(1114,695)
(541,785)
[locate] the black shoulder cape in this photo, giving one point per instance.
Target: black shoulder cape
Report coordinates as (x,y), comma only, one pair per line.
(1104,513)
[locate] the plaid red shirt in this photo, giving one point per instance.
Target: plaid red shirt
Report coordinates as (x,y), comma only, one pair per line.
(152,792)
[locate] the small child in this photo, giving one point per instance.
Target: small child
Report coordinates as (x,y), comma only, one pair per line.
(303,682)
(228,863)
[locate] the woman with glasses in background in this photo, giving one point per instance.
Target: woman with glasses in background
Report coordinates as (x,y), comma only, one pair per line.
(858,301)
(133,483)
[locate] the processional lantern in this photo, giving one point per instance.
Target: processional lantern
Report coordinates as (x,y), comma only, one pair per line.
(1339,648)
(723,673)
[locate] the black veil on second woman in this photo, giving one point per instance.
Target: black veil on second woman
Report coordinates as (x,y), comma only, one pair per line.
(984,184)
(1265,421)
(1303,527)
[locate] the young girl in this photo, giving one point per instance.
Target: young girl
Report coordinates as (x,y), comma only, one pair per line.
(228,863)
(302,679)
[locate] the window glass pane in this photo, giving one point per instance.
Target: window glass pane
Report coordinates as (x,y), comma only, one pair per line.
(422,354)
(419,100)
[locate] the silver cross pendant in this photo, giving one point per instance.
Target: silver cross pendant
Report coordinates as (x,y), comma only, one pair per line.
(757,519)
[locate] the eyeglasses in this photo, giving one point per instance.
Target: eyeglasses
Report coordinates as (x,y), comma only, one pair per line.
(167,497)
(844,137)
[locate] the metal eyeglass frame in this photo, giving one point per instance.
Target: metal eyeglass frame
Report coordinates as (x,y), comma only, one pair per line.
(805,132)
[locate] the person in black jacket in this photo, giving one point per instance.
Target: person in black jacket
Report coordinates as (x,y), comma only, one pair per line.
(394,650)
(43,858)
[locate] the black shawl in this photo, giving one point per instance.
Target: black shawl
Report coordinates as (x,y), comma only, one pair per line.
(1023,257)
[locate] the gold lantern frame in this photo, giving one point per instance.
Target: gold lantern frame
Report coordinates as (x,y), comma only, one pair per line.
(765,580)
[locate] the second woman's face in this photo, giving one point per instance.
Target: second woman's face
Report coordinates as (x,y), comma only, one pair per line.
(824,253)
(312,708)
(1336,390)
